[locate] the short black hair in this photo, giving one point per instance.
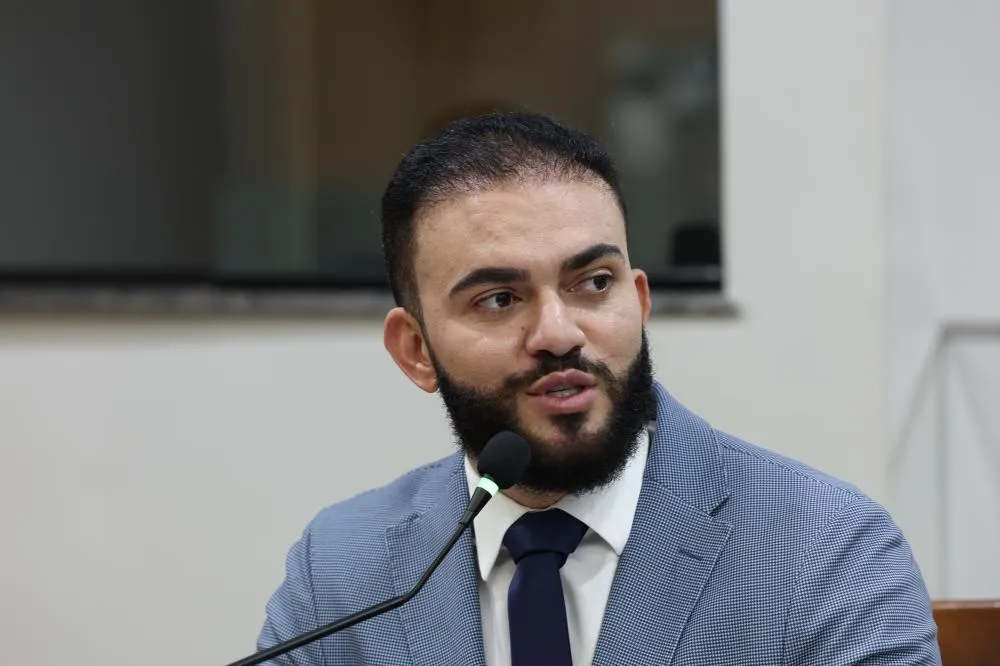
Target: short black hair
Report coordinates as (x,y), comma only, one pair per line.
(472,154)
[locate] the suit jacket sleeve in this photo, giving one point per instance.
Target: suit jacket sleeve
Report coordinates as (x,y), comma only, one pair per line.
(292,610)
(860,598)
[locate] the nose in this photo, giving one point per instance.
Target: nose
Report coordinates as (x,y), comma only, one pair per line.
(555,329)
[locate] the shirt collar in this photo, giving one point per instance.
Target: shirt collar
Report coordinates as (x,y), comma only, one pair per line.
(608,511)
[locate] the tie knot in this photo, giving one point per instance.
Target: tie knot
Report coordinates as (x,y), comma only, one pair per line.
(552,531)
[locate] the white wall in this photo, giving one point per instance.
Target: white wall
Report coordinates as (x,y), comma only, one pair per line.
(944,225)
(802,371)
(155,472)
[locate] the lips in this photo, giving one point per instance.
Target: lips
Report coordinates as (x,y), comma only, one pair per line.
(562,384)
(570,392)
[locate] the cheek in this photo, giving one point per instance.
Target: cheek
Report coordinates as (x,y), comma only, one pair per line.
(477,357)
(616,337)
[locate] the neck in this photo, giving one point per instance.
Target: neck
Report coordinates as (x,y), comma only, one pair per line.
(532,500)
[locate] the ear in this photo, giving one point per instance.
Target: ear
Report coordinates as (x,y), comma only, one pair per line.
(642,290)
(404,339)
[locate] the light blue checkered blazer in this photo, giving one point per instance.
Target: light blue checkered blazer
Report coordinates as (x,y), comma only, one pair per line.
(736,556)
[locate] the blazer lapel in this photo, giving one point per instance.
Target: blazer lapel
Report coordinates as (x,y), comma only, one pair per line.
(663,568)
(673,545)
(442,622)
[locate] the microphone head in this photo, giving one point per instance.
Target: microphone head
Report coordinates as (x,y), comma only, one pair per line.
(505,458)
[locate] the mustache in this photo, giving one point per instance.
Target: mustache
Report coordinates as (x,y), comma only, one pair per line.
(549,363)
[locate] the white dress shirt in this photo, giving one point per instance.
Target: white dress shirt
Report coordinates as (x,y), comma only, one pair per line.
(588,572)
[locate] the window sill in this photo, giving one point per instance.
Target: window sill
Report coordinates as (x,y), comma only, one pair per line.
(714,305)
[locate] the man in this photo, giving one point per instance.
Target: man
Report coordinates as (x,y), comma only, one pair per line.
(639,535)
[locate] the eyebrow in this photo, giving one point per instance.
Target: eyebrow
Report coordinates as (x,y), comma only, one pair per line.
(590,255)
(491,275)
(501,274)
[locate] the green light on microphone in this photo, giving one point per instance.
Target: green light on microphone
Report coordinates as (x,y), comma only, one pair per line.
(489,485)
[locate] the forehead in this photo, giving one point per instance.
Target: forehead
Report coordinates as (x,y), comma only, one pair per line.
(516,224)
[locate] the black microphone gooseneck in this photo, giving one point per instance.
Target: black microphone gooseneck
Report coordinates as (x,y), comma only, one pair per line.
(501,465)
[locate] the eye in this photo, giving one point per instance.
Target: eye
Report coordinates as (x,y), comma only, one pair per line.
(497,301)
(596,284)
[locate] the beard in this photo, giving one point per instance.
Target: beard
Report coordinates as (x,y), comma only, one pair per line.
(587,460)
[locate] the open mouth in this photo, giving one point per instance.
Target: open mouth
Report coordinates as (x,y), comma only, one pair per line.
(567,392)
(564,392)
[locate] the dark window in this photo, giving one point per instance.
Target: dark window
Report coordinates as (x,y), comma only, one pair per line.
(250,140)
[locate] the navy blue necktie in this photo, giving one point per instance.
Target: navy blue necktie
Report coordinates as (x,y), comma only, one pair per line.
(536,611)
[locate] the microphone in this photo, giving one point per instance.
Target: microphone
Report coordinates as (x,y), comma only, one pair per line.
(501,465)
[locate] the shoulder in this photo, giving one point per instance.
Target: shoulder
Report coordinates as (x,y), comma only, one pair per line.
(804,514)
(788,503)
(737,480)
(356,522)
(340,563)
(754,470)
(830,560)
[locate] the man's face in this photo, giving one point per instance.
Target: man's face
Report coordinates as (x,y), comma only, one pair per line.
(534,322)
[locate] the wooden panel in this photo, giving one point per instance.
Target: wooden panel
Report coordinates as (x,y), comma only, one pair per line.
(968,632)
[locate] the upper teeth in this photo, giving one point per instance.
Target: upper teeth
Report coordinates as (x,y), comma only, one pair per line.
(565,391)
